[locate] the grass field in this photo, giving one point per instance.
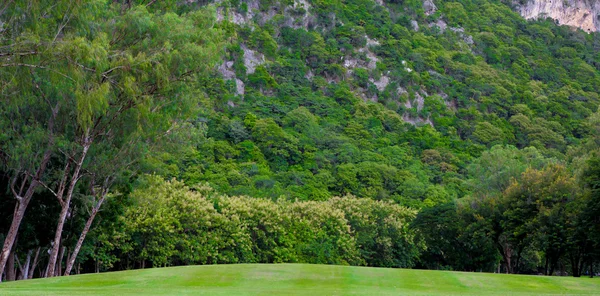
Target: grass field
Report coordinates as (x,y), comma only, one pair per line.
(299,279)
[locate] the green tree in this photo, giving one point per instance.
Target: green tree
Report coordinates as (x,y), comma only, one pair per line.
(118,89)
(536,210)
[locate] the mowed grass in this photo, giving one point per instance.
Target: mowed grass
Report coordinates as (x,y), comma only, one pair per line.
(299,279)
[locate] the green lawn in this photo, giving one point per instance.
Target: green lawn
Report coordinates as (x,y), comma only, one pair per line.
(299,279)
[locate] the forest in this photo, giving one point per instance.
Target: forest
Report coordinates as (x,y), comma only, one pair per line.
(448,135)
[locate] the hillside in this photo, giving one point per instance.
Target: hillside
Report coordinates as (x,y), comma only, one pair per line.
(316,99)
(431,134)
(298,279)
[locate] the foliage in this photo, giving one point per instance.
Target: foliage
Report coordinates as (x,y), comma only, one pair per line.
(170,224)
(467,135)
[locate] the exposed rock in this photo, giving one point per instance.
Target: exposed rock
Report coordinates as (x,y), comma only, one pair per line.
(451,104)
(428,121)
(420,101)
(309,75)
(415,25)
(429,7)
(440,24)
(416,121)
(220,14)
(371,61)
(457,30)
(292,19)
(381,83)
(226,69)
(434,73)
(252,59)
(372,42)
(240,87)
(235,17)
(468,39)
(575,13)
(350,63)
(401,90)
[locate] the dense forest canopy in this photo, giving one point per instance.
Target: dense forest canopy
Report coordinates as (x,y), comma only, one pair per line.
(428,134)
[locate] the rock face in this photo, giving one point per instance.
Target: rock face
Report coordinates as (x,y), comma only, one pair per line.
(581,14)
(429,7)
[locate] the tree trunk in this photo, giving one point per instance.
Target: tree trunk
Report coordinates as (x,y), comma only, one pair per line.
(516,267)
(14,227)
(508,262)
(575,262)
(25,271)
(84,232)
(23,201)
(45,272)
(65,208)
(23,268)
(34,265)
(11,273)
(59,263)
(19,270)
(553,264)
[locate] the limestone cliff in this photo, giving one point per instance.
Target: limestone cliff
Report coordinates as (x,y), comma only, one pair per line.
(581,14)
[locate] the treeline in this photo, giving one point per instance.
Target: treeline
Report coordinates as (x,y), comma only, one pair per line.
(169,224)
(528,214)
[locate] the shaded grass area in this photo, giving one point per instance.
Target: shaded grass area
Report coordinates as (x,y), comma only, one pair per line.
(300,279)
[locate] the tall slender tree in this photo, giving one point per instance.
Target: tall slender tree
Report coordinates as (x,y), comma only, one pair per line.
(110,82)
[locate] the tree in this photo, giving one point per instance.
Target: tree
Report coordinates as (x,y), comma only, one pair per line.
(105,95)
(492,174)
(455,237)
(536,210)
(29,120)
(586,238)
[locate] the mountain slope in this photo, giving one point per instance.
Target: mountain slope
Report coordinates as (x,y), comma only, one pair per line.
(316,97)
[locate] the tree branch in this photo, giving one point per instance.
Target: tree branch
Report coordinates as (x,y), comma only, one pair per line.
(63,182)
(23,184)
(47,187)
(18,53)
(37,67)
(14,191)
(66,19)
(6,7)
